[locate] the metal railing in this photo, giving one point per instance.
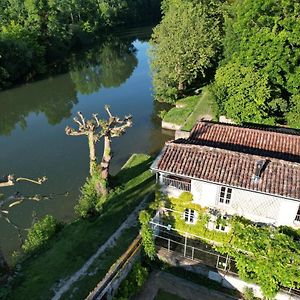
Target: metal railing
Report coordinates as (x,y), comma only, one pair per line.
(297,219)
(195,251)
(179,184)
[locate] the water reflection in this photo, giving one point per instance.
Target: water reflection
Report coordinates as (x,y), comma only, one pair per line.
(54,98)
(105,66)
(114,73)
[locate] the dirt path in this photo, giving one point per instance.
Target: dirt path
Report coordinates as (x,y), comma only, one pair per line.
(65,284)
(178,286)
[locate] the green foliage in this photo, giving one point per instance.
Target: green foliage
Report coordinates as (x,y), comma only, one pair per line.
(179,114)
(81,238)
(247,94)
(248,294)
(182,55)
(258,80)
(265,255)
(40,233)
(133,282)
(147,235)
(34,33)
(90,202)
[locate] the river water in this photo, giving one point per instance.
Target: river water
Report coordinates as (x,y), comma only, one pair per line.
(33,118)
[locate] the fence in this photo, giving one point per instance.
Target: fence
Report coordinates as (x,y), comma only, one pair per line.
(194,250)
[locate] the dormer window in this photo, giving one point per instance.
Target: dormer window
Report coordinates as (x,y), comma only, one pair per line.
(190,216)
(225,195)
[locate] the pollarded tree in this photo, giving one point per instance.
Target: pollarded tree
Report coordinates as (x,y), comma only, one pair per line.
(95,129)
(185,46)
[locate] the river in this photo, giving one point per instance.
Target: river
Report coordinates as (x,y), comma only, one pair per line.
(33,117)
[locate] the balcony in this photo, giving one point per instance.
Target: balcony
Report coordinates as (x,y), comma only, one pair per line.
(178,183)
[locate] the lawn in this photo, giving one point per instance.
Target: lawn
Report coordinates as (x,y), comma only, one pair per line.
(190,109)
(203,108)
(178,115)
(69,250)
(80,289)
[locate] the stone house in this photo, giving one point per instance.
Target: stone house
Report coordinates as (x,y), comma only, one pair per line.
(249,171)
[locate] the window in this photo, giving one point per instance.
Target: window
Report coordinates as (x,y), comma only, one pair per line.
(190,216)
(221,226)
(225,195)
(297,218)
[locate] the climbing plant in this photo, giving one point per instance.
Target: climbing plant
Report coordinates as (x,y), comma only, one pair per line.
(267,256)
(147,235)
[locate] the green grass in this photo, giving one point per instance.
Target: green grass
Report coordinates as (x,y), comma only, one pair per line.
(162,295)
(99,268)
(69,250)
(193,109)
(204,107)
(179,115)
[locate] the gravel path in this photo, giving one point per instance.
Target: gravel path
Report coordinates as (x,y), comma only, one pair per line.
(65,285)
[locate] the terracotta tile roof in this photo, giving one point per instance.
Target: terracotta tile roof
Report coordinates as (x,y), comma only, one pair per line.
(270,143)
(230,168)
(228,155)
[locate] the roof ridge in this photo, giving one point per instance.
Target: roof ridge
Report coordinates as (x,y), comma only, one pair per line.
(254,127)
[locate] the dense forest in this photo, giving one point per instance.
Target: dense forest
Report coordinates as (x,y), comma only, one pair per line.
(37,33)
(248,52)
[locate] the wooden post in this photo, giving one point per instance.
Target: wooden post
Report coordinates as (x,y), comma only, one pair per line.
(169,245)
(193,249)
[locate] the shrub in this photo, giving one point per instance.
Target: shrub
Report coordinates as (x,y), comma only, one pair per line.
(133,283)
(248,293)
(40,233)
(90,203)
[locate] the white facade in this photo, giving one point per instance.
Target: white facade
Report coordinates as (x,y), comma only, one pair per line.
(258,207)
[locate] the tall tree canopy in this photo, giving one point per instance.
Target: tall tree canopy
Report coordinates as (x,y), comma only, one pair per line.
(185,45)
(36,32)
(259,78)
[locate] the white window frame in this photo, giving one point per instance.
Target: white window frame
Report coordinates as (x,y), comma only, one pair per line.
(221,227)
(225,195)
(190,216)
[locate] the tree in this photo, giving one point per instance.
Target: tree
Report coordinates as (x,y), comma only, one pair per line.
(185,46)
(10,180)
(263,36)
(247,93)
(95,129)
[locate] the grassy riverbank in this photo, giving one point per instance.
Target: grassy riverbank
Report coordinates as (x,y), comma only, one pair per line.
(191,109)
(69,250)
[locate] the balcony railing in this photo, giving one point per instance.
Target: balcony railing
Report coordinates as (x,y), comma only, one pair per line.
(181,185)
(297,219)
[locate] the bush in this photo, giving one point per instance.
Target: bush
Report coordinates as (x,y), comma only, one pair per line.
(248,294)
(133,283)
(40,233)
(90,203)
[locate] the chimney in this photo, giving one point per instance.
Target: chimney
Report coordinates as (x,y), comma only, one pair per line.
(258,170)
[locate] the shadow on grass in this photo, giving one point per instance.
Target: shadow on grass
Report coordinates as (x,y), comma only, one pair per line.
(128,173)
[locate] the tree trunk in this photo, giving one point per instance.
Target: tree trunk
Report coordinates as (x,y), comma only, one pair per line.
(105,163)
(106,158)
(93,159)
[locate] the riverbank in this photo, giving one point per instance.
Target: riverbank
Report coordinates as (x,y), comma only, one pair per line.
(188,111)
(79,240)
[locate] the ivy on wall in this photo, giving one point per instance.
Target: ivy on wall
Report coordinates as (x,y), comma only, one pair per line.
(264,255)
